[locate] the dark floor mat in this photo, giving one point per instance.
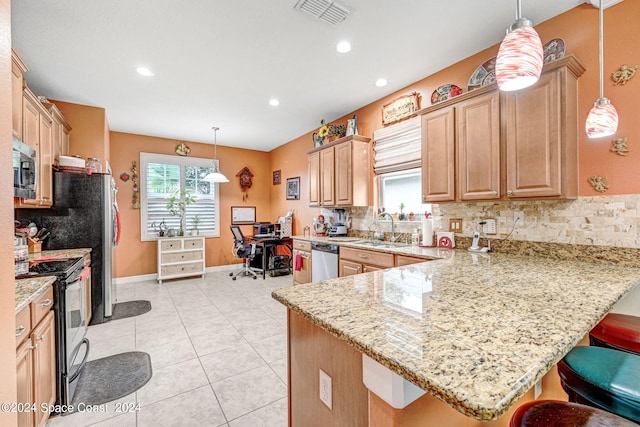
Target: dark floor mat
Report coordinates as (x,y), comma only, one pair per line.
(110,378)
(126,309)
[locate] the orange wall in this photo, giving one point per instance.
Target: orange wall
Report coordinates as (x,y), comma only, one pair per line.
(7,289)
(579,29)
(134,257)
(89,135)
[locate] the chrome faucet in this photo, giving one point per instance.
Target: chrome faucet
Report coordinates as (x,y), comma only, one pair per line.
(393,227)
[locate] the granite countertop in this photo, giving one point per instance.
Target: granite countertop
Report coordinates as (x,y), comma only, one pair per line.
(475,330)
(28,290)
(383,246)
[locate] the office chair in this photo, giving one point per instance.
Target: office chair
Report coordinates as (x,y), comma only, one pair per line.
(241,250)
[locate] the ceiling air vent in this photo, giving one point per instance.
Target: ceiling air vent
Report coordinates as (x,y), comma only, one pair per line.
(324,10)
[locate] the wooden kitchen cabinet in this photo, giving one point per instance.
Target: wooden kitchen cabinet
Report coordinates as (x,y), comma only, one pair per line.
(302,248)
(438,156)
(339,173)
(36,133)
(59,133)
(356,261)
(17,85)
(541,140)
(36,359)
(487,145)
(478,147)
(314,179)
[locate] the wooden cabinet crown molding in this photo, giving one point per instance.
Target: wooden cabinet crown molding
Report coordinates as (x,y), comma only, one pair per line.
(339,141)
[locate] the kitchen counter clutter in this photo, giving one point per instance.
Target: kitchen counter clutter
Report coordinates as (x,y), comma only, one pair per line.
(477,331)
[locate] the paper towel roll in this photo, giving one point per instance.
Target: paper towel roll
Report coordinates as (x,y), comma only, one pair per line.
(427,232)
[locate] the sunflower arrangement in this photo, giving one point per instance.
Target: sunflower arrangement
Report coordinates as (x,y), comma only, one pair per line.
(323,132)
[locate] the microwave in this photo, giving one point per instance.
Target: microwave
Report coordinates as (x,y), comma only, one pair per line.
(25,170)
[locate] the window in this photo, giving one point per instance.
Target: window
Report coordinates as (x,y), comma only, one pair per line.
(161,177)
(401,187)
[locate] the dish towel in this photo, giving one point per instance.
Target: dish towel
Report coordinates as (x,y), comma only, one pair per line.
(298,265)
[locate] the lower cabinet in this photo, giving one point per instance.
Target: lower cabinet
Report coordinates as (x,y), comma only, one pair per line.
(36,361)
(356,261)
(180,257)
(302,249)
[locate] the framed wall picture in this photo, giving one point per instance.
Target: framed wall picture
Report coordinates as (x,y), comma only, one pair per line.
(293,188)
(277,177)
(243,215)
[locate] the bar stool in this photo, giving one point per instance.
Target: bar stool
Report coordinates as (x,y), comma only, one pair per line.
(553,413)
(603,378)
(618,331)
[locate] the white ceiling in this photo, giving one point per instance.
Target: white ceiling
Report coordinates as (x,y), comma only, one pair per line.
(217,63)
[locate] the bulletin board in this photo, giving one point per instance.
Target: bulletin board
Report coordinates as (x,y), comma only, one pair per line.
(243,215)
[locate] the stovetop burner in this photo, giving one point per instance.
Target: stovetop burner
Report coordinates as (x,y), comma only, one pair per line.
(62,268)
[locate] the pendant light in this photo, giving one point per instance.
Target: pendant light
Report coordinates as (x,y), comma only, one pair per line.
(603,118)
(215,175)
(519,61)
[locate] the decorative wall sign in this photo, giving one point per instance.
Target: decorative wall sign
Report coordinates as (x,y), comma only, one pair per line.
(136,191)
(599,183)
(623,75)
(277,177)
(400,108)
(243,215)
(125,176)
(619,146)
(293,188)
(182,149)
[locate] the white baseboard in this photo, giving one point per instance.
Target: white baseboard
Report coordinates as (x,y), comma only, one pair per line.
(154,276)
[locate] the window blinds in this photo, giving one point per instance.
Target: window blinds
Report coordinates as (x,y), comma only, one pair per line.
(397,147)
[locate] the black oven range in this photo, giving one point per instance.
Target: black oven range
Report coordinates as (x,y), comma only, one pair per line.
(70,311)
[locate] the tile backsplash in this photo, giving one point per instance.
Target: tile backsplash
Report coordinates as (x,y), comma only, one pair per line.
(590,220)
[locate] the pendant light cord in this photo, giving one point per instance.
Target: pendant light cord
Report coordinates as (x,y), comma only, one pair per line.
(518,9)
(601,47)
(215,142)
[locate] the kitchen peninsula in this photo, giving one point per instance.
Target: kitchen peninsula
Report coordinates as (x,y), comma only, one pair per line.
(476,331)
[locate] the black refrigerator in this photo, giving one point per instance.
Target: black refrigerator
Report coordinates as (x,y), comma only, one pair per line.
(83,215)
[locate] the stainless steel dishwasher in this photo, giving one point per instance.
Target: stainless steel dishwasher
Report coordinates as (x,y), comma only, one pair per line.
(324,261)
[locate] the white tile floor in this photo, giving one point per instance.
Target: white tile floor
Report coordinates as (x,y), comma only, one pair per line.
(218,353)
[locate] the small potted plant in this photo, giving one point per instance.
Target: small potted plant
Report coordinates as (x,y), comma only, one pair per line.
(402,216)
(161,228)
(177,206)
(336,132)
(195,220)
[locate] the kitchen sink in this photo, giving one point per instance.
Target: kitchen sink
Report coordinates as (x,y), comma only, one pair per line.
(380,244)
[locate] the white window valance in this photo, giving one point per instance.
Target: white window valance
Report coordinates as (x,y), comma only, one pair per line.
(397,147)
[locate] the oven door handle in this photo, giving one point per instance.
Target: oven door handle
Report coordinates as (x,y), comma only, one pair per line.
(86,271)
(84,361)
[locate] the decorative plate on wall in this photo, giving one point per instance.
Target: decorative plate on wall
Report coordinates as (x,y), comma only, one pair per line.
(552,50)
(445,92)
(484,75)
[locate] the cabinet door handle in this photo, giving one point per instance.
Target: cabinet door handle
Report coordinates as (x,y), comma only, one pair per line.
(20,330)
(46,303)
(33,347)
(509,193)
(495,193)
(363,256)
(40,338)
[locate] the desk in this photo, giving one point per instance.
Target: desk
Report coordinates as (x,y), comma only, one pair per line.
(268,245)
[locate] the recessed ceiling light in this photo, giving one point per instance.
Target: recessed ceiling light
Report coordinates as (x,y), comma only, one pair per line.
(381,82)
(144,71)
(274,102)
(343,47)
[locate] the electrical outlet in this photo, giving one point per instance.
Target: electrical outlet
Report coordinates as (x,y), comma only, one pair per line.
(455,225)
(489,226)
(325,389)
(537,389)
(518,217)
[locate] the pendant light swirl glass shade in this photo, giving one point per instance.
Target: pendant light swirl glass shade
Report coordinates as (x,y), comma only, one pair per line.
(520,56)
(215,175)
(603,118)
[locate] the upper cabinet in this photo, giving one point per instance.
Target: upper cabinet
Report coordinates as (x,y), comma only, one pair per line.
(339,173)
(42,127)
(488,145)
